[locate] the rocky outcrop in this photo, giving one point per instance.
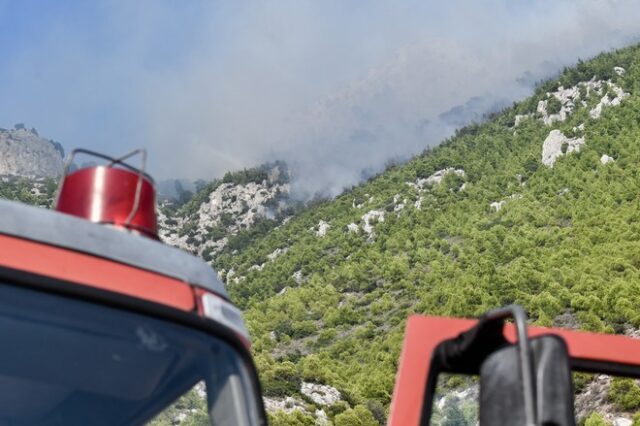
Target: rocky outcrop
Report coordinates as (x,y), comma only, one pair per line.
(605,159)
(321,229)
(556,145)
(24,153)
(438,176)
(227,210)
(565,98)
(497,205)
(288,404)
(619,70)
(321,394)
(594,398)
(614,97)
(558,105)
(469,394)
(370,218)
(519,118)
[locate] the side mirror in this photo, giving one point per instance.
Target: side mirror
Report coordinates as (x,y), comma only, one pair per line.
(502,392)
(523,383)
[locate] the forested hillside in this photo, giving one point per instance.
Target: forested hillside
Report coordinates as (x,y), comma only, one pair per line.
(536,206)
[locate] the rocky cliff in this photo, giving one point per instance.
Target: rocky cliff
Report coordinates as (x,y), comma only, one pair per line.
(24,153)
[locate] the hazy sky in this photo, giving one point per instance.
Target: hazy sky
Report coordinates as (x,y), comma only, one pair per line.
(333,87)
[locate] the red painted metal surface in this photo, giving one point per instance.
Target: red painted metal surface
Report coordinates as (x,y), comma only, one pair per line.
(424,333)
(95,272)
(107,195)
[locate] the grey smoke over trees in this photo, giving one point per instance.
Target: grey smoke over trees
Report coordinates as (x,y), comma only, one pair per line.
(335,88)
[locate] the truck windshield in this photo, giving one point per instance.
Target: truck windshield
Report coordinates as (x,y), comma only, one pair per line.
(65,361)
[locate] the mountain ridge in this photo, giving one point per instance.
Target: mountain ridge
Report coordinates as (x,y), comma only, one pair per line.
(24,153)
(560,238)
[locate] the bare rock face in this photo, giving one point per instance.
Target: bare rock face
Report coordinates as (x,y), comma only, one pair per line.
(370,218)
(557,106)
(230,208)
(321,394)
(288,405)
(321,229)
(437,177)
(24,153)
(605,159)
(556,145)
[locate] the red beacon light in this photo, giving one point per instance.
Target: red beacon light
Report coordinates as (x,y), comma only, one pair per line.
(116,194)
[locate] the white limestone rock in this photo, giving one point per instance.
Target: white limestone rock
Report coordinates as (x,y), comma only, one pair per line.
(352,227)
(469,394)
(297,276)
(399,206)
(519,118)
(622,421)
(418,203)
(497,205)
(571,98)
(567,98)
(287,404)
(606,101)
(437,177)
(619,70)
(179,418)
(321,394)
(370,218)
(233,207)
(321,229)
(553,146)
(413,185)
(634,333)
(276,253)
(605,159)
(285,289)
(201,390)
(321,418)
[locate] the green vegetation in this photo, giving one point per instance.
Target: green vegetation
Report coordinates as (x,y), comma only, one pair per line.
(568,243)
(553,105)
(625,393)
(295,418)
(39,192)
(190,410)
(595,419)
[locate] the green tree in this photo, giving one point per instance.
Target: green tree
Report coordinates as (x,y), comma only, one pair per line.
(356,416)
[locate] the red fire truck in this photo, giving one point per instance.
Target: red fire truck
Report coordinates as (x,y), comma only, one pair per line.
(101,323)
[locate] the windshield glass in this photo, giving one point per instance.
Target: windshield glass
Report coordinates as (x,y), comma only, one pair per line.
(69,362)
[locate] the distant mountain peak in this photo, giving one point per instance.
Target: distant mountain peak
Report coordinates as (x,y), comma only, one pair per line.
(24,153)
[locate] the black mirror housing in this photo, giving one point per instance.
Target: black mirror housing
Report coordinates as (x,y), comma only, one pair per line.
(502,390)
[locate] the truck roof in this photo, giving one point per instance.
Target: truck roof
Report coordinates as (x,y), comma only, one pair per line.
(72,233)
